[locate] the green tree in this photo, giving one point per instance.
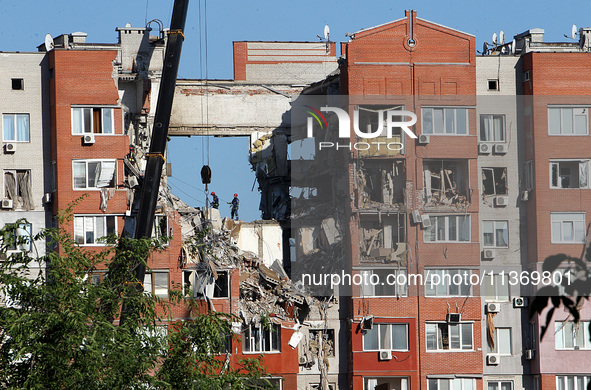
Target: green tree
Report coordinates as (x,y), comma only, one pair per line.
(58,328)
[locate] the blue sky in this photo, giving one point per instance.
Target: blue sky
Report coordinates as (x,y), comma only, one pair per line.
(25,23)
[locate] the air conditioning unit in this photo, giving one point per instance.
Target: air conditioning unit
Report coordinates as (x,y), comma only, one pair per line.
(425,221)
(385,355)
(416,216)
(501,148)
(484,148)
(9,148)
(488,254)
(132,181)
(493,308)
(6,203)
(453,317)
(529,354)
(88,139)
(493,359)
(47,197)
(501,201)
(519,302)
(424,139)
(524,195)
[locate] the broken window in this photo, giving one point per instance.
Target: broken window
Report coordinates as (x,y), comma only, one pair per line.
(17,187)
(569,174)
(17,237)
(448,120)
(383,283)
(92,120)
(89,174)
(381,182)
(88,230)
(446,181)
(160,229)
(492,128)
(448,228)
(199,283)
(383,237)
(324,337)
(494,181)
(391,337)
(261,339)
(156,283)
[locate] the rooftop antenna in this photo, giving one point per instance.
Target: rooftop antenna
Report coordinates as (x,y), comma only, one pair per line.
(494,38)
(326,32)
(573,31)
(485,48)
(48,42)
(502,37)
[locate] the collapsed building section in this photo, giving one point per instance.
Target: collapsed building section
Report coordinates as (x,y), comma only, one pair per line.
(381,183)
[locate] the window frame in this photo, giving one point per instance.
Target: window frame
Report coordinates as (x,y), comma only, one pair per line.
(495,284)
(495,172)
(153,286)
(377,327)
(27,246)
(558,185)
(575,381)
(92,121)
(495,350)
(87,176)
(573,120)
(96,235)
(435,224)
(399,291)
(559,332)
(491,131)
(448,293)
(560,240)
(494,233)
(499,384)
(444,109)
(251,340)
(460,336)
(17,203)
(16,137)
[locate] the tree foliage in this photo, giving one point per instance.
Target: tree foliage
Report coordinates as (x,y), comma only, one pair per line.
(59,329)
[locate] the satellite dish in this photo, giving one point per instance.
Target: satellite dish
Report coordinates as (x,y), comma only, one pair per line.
(326,32)
(513,44)
(48,42)
(573,31)
(494,38)
(502,37)
(484,48)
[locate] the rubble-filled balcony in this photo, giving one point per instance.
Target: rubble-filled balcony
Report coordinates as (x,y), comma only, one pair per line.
(381,183)
(382,238)
(446,183)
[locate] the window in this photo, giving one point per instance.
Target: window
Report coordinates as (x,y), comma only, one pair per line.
(568,121)
(387,382)
(501,385)
(448,228)
(493,85)
(502,339)
(447,282)
(446,336)
(324,335)
(492,128)
(572,382)
(199,283)
(495,234)
(18,237)
(156,283)
(383,283)
(494,181)
(445,120)
(568,228)
(260,339)
(92,174)
(386,336)
(17,187)
(526,75)
(571,335)
(92,120)
(16,127)
(88,230)
(18,84)
(496,287)
(446,181)
(569,174)
(160,227)
(449,384)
